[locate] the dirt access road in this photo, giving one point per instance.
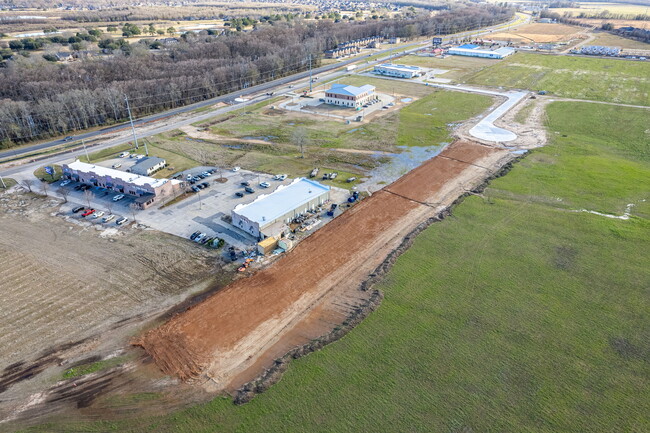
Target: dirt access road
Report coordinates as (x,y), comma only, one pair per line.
(229,333)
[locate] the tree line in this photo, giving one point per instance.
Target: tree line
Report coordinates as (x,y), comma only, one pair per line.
(41,99)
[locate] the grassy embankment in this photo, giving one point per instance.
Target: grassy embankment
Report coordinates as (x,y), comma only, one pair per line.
(596,79)
(518,313)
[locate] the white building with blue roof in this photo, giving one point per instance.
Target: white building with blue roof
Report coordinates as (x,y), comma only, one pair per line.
(268,215)
(350,96)
(399,71)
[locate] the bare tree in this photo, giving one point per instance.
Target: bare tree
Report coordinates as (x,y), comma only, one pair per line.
(109,206)
(134,207)
(300,139)
(64,193)
(89,196)
(44,187)
(28,183)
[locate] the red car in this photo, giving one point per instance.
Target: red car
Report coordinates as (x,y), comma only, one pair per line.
(88,212)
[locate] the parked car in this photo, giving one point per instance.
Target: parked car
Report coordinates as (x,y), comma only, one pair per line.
(200,237)
(265,184)
(314,173)
(118,197)
(239,194)
(206,174)
(108,218)
(280,177)
(98,214)
(121,221)
(194,235)
(205,184)
(88,212)
(65,182)
(84,187)
(139,156)
(351,179)
(200,185)
(245,183)
(116,165)
(236,168)
(77,209)
(249,190)
(124,154)
(212,170)
(196,188)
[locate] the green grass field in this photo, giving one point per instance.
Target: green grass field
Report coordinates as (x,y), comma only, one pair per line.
(596,79)
(516,314)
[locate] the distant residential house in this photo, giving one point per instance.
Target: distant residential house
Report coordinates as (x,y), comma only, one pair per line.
(64,56)
(148,166)
(349,96)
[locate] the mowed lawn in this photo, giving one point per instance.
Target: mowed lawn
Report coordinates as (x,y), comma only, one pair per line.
(515,314)
(610,80)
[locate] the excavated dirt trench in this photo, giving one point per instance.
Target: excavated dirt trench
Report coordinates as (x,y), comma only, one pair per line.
(234,335)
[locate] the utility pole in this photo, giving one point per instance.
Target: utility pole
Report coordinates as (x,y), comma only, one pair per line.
(146,149)
(128,108)
(83,143)
(4,185)
(310,80)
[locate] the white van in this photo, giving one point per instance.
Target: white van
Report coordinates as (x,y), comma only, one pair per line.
(124,154)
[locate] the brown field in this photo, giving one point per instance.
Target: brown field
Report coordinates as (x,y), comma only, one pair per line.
(64,282)
(598,22)
(231,331)
(607,39)
(539,33)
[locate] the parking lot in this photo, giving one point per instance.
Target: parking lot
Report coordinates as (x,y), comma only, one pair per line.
(202,211)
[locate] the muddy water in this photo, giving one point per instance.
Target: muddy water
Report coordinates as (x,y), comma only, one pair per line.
(401,163)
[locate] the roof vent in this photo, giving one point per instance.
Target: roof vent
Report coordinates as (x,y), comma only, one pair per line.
(263,218)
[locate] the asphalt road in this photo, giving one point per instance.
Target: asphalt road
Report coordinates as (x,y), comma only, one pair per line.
(271,86)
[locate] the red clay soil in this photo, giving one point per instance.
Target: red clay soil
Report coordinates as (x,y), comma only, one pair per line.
(235,325)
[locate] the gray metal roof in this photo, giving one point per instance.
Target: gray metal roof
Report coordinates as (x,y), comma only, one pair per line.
(145,164)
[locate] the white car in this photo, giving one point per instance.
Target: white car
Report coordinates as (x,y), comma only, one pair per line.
(121,221)
(98,214)
(108,218)
(116,165)
(280,177)
(236,168)
(124,154)
(200,237)
(139,156)
(265,184)
(118,197)
(65,182)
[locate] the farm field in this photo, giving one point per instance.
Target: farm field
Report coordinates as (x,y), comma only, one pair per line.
(598,22)
(572,77)
(594,8)
(610,40)
(519,313)
(538,33)
(48,299)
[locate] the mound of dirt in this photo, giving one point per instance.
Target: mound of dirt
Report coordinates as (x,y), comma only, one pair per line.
(230,330)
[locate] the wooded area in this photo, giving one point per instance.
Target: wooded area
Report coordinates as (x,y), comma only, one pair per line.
(41,98)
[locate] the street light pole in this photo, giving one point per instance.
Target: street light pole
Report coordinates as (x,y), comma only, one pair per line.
(128,108)
(310,79)
(4,185)
(83,143)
